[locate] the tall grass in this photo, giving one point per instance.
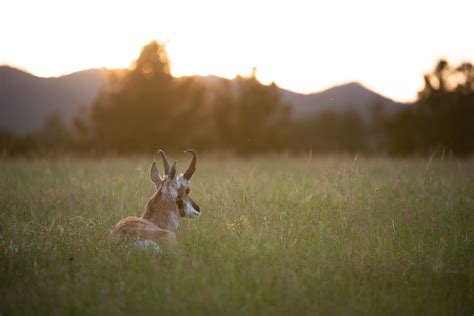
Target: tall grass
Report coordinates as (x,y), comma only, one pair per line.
(276,236)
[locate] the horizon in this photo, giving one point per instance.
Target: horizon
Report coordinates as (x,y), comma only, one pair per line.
(341,84)
(386,48)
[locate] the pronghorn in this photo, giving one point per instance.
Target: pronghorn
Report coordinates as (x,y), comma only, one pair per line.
(163,210)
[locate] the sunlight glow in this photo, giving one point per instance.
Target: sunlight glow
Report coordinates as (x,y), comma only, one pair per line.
(304,46)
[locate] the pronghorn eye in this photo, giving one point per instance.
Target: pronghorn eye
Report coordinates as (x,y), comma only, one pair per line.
(187,190)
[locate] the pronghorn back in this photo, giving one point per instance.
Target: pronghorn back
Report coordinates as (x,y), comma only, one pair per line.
(139,228)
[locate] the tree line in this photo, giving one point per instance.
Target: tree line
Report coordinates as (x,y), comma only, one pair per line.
(144,108)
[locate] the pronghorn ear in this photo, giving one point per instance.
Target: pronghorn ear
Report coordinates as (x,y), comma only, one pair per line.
(155,174)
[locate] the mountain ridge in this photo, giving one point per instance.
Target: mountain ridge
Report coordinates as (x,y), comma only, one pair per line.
(26,100)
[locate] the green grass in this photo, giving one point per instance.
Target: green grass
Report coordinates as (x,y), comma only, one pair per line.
(276,236)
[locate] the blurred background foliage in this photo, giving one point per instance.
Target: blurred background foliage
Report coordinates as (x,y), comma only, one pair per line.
(144,108)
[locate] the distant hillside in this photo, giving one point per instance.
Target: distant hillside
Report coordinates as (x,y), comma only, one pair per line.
(26,100)
(352,95)
(344,97)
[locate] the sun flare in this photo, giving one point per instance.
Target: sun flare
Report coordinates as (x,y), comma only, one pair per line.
(303,46)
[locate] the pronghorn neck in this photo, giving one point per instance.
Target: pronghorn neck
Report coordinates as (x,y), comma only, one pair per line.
(162,212)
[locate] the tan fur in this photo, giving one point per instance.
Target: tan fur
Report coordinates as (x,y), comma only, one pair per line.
(158,210)
(139,228)
(154,224)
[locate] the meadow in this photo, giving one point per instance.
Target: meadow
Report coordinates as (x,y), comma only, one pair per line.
(277,235)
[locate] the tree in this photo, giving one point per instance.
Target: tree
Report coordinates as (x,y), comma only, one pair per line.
(443,117)
(249,116)
(145,107)
(332,131)
(54,134)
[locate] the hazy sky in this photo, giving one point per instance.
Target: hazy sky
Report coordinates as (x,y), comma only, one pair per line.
(304,46)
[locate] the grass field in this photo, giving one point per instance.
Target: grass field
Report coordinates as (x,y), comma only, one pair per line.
(287,236)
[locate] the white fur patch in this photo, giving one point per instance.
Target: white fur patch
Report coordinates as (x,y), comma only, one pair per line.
(174,221)
(147,243)
(182,181)
(189,210)
(172,190)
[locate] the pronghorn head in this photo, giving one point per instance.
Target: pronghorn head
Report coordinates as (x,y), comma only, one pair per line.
(175,187)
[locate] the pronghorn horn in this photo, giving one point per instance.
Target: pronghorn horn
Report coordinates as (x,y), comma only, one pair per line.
(173,170)
(192,165)
(165,162)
